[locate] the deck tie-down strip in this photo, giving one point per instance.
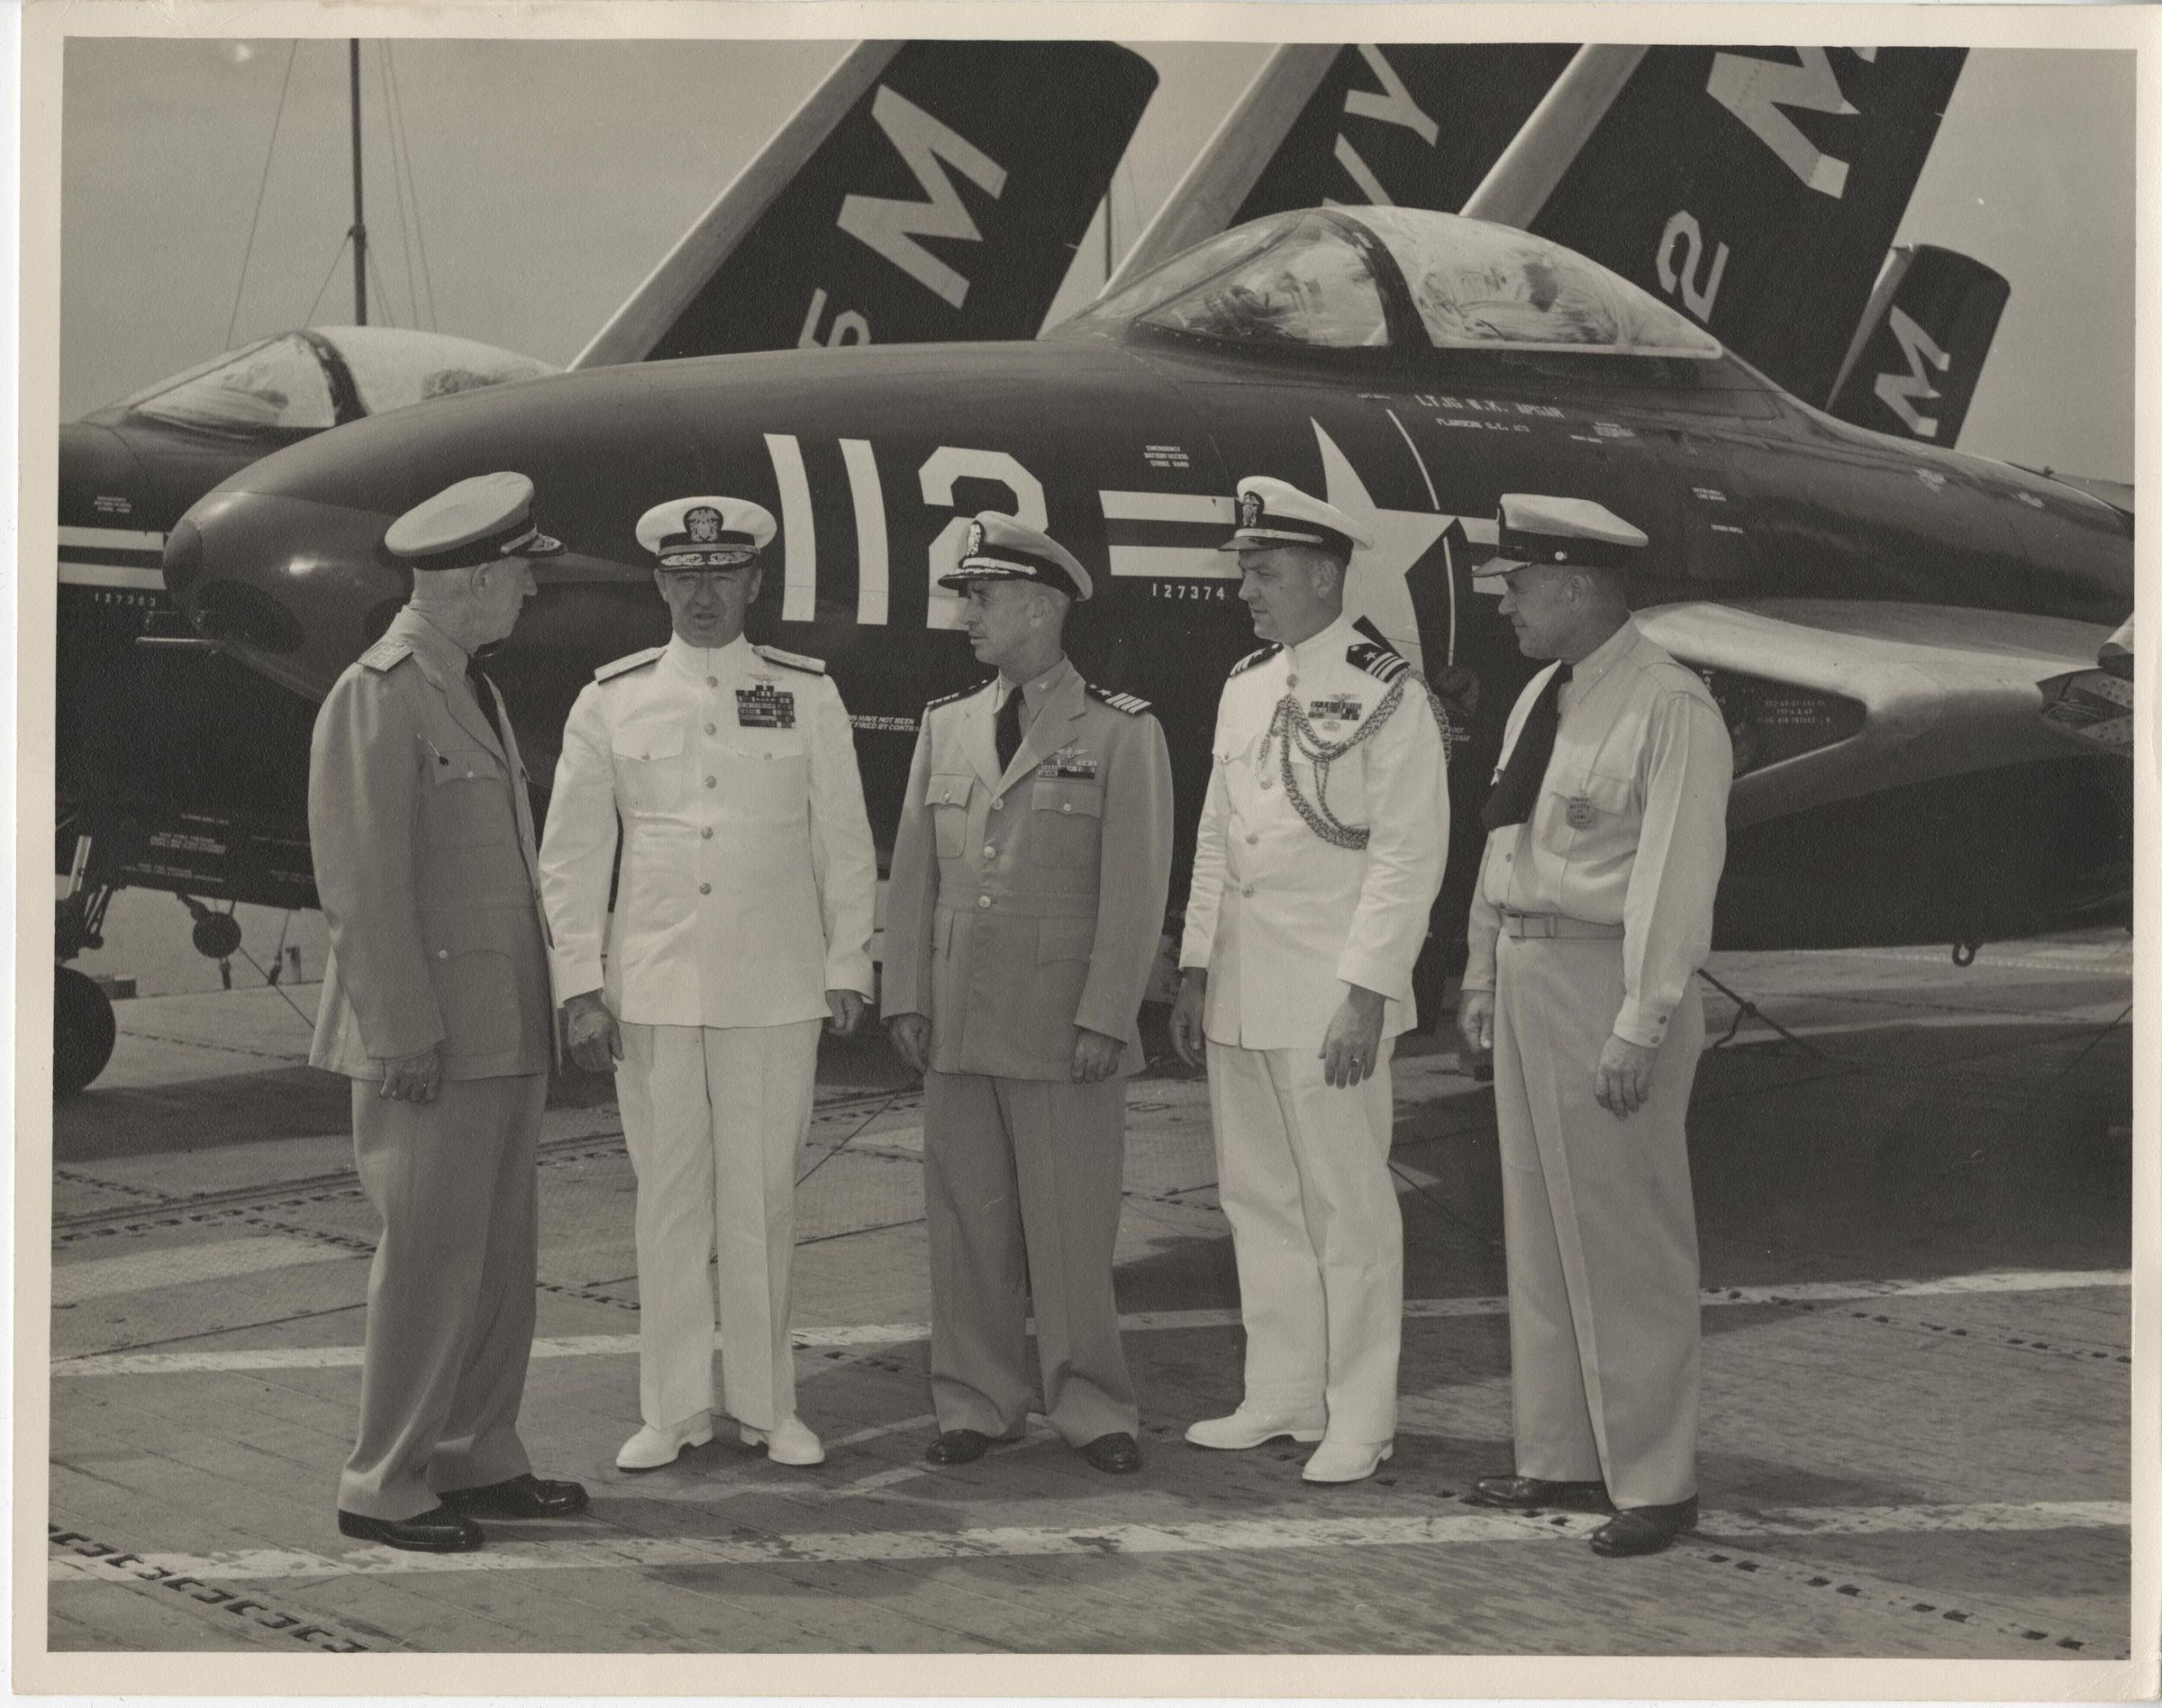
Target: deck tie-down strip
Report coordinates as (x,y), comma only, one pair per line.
(619,1551)
(816,1339)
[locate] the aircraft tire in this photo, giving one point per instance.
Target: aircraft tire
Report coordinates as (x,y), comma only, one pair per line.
(82,1030)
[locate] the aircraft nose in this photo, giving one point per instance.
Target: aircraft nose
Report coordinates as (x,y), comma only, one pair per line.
(293,585)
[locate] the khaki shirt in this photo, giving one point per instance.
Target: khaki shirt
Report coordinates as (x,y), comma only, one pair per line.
(747,878)
(1286,921)
(423,836)
(1630,828)
(1027,903)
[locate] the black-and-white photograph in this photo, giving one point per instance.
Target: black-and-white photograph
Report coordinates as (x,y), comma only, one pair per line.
(972,846)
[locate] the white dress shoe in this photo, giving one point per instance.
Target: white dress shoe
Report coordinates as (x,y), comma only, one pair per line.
(789,1442)
(1245,1429)
(650,1448)
(1346,1461)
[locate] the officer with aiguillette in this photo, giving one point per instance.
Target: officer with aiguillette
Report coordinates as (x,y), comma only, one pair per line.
(435,1003)
(1607,831)
(1319,855)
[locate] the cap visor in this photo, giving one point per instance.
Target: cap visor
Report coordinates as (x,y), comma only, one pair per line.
(1493,575)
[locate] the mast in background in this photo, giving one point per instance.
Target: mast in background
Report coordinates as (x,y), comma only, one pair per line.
(359,230)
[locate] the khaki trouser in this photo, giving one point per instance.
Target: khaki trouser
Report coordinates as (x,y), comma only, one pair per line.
(714,1119)
(450,1292)
(1303,1168)
(1600,1228)
(1021,1191)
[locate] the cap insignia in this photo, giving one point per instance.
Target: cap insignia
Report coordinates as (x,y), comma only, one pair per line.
(704,524)
(1250,510)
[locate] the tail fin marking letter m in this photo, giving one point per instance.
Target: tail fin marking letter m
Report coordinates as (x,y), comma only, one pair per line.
(1896,391)
(892,227)
(1756,90)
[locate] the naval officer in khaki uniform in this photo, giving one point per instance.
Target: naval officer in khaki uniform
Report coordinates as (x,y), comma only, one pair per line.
(1607,834)
(742,923)
(1023,915)
(435,1003)
(1316,863)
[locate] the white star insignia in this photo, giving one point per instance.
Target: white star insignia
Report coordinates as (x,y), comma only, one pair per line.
(1379,585)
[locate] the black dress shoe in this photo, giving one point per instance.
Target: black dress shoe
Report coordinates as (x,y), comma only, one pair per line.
(1527,1492)
(1114,1453)
(523,1495)
(438,1530)
(1643,1529)
(957,1446)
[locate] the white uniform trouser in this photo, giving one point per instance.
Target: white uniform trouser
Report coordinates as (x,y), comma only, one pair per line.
(1303,1168)
(715,1118)
(1603,1311)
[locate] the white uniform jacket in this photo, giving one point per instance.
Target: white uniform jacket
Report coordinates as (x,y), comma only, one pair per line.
(747,878)
(1629,829)
(1284,921)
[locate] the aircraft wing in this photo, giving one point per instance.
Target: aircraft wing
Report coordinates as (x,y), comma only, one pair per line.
(1919,350)
(1759,187)
(1828,700)
(927,191)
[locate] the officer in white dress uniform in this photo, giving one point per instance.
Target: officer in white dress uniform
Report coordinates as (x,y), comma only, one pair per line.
(743,921)
(1318,858)
(1593,912)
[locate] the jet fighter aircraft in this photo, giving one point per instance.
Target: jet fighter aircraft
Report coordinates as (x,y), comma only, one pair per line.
(1904,640)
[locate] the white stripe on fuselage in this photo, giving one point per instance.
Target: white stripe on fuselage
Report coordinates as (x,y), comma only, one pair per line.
(112,575)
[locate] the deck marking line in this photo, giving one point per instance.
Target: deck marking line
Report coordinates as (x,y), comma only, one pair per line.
(324,1358)
(1021,1542)
(179,1266)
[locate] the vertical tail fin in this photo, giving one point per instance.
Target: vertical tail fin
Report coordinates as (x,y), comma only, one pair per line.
(926,191)
(1920,348)
(1759,188)
(1401,125)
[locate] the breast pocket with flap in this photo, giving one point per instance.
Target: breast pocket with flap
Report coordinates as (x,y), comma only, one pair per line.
(468,804)
(947,796)
(649,767)
(1065,824)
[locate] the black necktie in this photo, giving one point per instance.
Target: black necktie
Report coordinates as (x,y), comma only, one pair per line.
(482,692)
(1517,787)
(1006,732)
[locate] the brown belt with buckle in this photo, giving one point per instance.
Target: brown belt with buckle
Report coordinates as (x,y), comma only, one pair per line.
(1555,925)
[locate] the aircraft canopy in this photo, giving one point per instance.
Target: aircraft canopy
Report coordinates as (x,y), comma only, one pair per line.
(304,381)
(1321,279)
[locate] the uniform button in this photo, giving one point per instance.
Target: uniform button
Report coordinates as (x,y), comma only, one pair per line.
(990,852)
(712,682)
(707,833)
(712,729)
(983,901)
(443,954)
(1292,681)
(709,782)
(1508,860)
(1269,782)
(468,773)
(1066,806)
(705,889)
(1251,838)
(770,756)
(998,806)
(1249,890)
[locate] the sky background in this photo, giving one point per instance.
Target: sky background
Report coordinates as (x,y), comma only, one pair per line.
(550,177)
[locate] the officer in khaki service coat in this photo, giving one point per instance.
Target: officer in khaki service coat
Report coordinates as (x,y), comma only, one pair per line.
(1316,862)
(742,922)
(1023,916)
(435,1003)
(1606,836)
